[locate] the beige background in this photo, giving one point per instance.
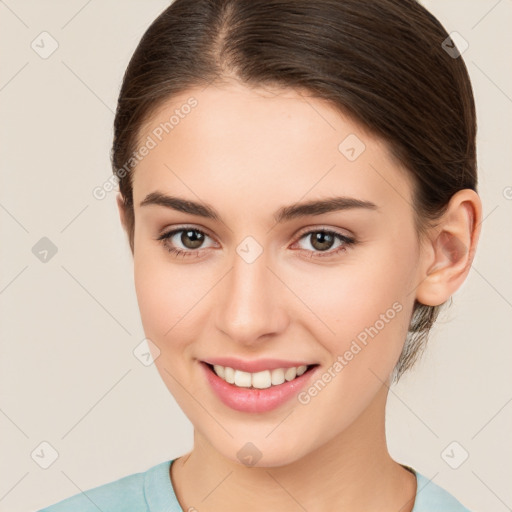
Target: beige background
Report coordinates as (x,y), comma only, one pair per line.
(68,375)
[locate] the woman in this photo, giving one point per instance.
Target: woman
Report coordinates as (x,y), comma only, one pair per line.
(297,181)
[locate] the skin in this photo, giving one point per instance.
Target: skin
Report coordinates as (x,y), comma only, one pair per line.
(248,152)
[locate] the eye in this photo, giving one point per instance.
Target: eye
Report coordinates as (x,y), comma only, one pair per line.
(322,241)
(190,238)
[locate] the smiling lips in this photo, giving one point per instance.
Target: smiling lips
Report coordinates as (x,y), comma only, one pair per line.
(256,386)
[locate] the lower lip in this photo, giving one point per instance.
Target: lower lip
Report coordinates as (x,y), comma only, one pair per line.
(255,400)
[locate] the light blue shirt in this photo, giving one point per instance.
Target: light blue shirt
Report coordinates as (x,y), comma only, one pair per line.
(152,491)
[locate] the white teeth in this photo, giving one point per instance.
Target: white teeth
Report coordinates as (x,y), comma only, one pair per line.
(301,370)
(219,370)
(242,379)
(290,373)
(259,380)
(277,376)
(229,375)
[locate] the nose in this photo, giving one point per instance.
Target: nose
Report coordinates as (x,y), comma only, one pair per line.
(250,302)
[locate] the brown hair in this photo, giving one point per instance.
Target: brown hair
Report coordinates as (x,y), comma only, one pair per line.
(381,62)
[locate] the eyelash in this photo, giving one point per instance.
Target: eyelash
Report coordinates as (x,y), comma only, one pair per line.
(347,242)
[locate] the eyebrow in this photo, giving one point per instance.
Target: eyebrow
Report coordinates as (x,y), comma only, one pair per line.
(285,213)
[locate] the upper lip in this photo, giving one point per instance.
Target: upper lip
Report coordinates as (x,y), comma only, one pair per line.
(256,365)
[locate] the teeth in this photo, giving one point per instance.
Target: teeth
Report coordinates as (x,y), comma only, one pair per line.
(301,370)
(229,375)
(219,370)
(259,380)
(290,373)
(277,376)
(242,379)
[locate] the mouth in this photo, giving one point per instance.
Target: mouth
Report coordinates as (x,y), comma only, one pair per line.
(259,380)
(260,391)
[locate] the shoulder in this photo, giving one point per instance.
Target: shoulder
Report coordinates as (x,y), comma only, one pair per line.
(430,497)
(125,494)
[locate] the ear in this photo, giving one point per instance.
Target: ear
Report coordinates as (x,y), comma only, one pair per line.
(449,249)
(122,213)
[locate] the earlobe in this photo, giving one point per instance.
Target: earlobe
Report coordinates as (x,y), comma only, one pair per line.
(451,249)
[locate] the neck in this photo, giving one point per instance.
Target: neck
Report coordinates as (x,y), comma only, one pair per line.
(352,472)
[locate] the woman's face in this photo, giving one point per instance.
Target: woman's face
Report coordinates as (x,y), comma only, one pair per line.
(260,281)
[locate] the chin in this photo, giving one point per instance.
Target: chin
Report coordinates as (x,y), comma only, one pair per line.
(263,453)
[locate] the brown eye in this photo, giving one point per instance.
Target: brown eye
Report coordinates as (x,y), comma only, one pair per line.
(322,243)
(184,242)
(321,240)
(191,238)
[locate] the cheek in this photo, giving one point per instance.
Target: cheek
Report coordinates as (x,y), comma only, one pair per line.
(161,294)
(172,300)
(153,295)
(158,286)
(367,297)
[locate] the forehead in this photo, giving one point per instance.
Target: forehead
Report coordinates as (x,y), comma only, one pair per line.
(253,142)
